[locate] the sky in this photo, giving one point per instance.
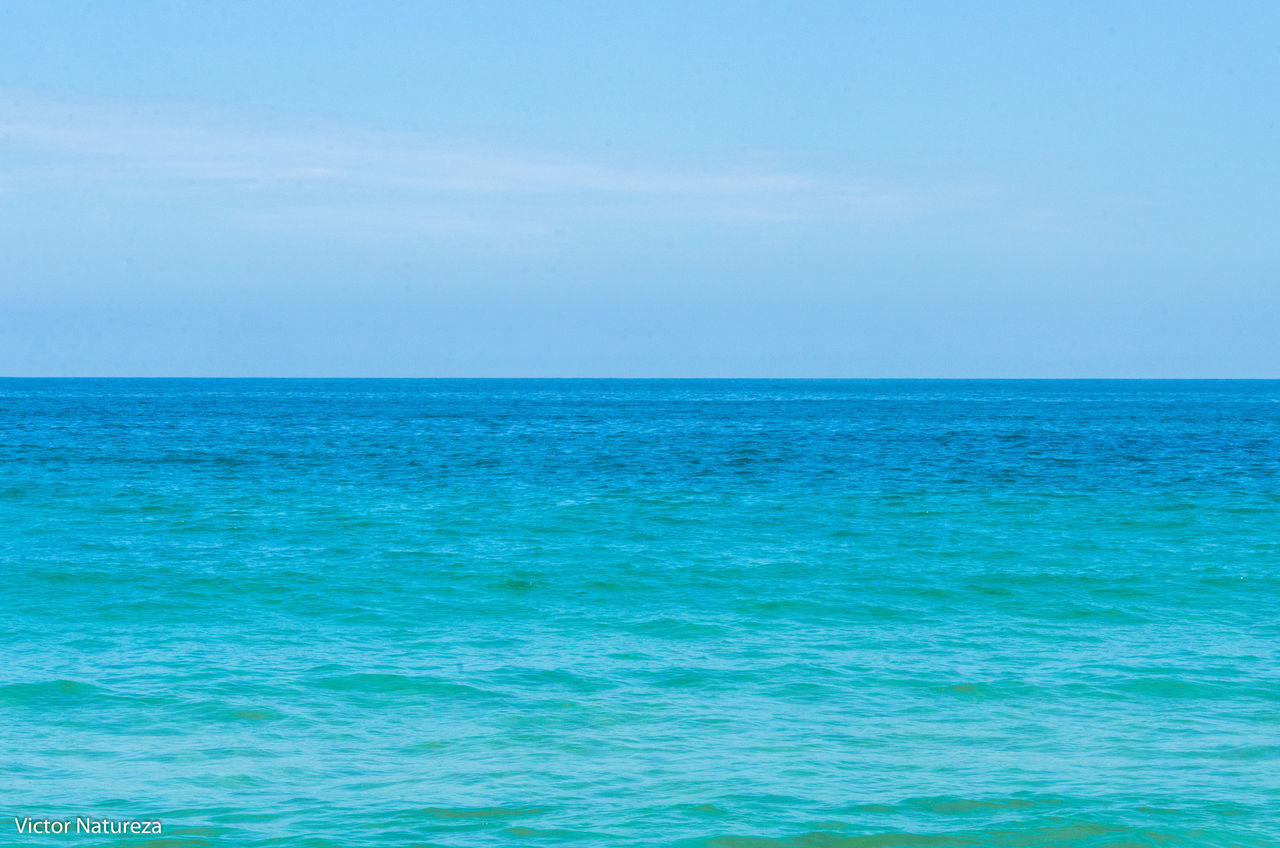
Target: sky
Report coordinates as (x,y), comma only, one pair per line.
(787,189)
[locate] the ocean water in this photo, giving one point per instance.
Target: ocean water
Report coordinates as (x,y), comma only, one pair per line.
(642,613)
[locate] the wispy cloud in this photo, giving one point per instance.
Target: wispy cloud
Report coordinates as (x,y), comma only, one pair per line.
(325,177)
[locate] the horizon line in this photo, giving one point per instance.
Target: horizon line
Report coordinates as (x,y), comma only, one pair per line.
(651,378)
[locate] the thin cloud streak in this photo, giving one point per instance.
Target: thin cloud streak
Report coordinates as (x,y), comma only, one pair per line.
(132,148)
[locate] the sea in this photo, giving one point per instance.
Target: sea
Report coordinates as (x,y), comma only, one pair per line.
(721,613)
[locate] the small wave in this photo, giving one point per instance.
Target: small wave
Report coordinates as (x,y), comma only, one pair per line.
(556,833)
(475,812)
(1168,687)
(1081,835)
(956,805)
(47,692)
(390,684)
(953,806)
(994,689)
(676,629)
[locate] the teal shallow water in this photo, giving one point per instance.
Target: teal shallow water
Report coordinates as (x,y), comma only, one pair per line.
(720,613)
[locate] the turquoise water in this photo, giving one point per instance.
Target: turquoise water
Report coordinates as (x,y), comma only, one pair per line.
(690,613)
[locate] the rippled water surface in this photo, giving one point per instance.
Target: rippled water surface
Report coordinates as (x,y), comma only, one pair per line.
(692,613)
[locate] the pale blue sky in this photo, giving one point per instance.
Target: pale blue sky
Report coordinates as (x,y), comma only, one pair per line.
(683,189)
